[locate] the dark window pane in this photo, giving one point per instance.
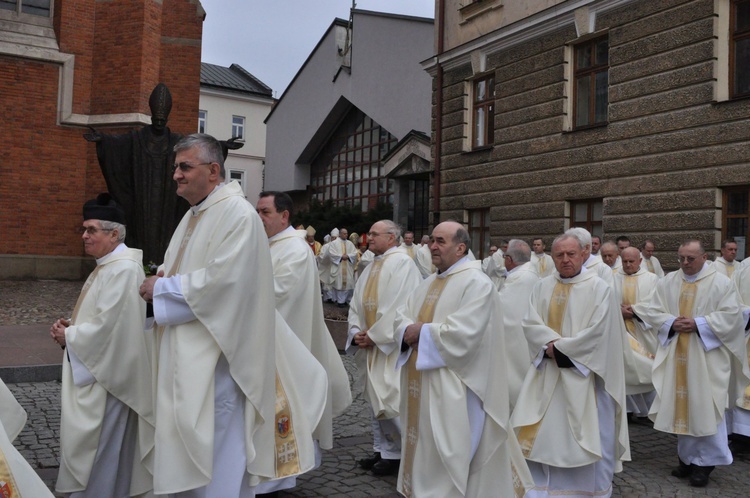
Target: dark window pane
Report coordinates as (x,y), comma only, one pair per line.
(581,212)
(583,56)
(602,82)
(742,67)
(737,203)
(36,7)
(742,16)
(736,227)
(583,86)
(602,52)
(8,4)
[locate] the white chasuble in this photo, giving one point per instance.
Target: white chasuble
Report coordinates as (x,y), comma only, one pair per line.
(630,290)
(298,301)
(107,336)
(556,416)
(343,257)
(741,279)
(424,261)
(226,278)
(652,265)
(725,267)
(543,263)
(465,328)
(514,300)
(383,287)
(692,384)
(17,478)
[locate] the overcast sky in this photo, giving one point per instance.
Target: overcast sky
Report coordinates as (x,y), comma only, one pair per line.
(272,38)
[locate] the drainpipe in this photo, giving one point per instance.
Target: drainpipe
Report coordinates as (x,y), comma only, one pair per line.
(439,114)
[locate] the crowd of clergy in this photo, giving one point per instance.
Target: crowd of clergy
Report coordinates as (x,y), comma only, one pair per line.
(510,376)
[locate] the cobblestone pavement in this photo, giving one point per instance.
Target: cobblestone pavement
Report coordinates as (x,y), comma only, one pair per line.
(653,453)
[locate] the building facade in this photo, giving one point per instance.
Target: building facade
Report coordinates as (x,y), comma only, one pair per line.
(234,103)
(628,117)
(361,92)
(66,65)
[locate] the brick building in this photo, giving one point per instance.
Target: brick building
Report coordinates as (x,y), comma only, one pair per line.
(66,65)
(629,117)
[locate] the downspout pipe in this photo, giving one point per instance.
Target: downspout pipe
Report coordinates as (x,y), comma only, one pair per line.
(438,113)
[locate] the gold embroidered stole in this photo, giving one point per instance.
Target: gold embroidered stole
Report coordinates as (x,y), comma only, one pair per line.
(84,290)
(730,270)
(410,251)
(688,292)
(650,266)
(542,264)
(555,316)
(629,292)
(414,385)
(287,453)
(370,294)
(8,486)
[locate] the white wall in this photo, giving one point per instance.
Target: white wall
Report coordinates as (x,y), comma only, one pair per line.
(220,107)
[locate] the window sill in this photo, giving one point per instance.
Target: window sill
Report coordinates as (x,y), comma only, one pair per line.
(589,127)
(478,149)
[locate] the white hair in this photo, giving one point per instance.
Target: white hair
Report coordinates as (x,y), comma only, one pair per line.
(112,225)
(583,236)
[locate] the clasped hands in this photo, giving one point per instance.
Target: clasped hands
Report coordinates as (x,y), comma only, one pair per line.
(57,331)
(684,325)
(147,287)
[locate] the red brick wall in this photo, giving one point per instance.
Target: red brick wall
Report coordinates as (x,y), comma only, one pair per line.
(123,49)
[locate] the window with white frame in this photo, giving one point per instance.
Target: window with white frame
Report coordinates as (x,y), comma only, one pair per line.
(202,115)
(238,127)
(483,111)
(591,82)
(239,176)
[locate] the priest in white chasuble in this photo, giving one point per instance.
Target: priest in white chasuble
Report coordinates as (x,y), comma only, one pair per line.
(409,246)
(740,419)
(591,262)
(107,411)
(342,256)
(454,397)
(570,416)
(514,298)
(540,259)
(634,284)
(726,264)
(298,300)
(696,312)
(424,258)
(17,478)
(324,267)
(650,262)
(382,288)
(216,315)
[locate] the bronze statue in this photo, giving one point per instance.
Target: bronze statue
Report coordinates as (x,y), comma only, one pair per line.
(137,167)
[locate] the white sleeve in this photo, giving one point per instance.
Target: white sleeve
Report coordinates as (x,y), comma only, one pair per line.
(429,356)
(82,376)
(170,307)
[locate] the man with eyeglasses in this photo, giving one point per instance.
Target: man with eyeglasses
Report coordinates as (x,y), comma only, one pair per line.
(215,309)
(514,297)
(696,311)
(107,412)
(381,289)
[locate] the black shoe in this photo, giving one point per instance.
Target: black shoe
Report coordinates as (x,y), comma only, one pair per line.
(739,444)
(386,467)
(699,475)
(682,471)
(367,463)
(341,305)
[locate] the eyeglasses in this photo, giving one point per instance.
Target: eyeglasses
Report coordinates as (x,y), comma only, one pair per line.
(185,167)
(91,230)
(686,259)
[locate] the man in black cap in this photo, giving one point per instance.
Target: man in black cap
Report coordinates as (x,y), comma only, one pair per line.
(106,426)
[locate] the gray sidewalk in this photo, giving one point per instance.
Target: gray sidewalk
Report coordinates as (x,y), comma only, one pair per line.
(654,454)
